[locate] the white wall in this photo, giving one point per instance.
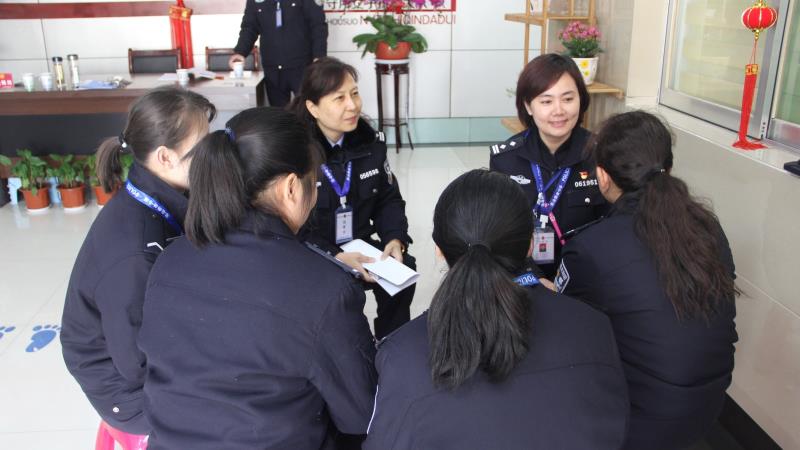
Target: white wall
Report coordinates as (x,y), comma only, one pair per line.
(473,58)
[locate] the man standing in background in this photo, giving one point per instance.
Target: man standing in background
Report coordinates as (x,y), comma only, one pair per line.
(293,34)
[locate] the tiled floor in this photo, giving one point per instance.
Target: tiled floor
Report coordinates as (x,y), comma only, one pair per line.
(41,406)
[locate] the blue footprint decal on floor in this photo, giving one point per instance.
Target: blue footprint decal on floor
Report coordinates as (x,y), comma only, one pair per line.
(42,335)
(5,330)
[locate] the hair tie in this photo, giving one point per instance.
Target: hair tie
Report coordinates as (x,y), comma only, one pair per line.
(122,143)
(479,244)
(652,173)
(231,136)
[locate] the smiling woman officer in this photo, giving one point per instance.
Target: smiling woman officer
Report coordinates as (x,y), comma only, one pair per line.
(358,194)
(547,159)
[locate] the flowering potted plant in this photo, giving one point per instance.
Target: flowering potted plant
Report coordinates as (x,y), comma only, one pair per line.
(583,44)
(392,39)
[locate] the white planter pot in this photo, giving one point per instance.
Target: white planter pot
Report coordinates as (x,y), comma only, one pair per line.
(588,68)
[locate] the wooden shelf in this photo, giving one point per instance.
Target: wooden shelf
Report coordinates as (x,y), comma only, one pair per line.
(539,19)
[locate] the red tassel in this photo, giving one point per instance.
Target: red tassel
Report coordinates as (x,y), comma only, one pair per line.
(750,77)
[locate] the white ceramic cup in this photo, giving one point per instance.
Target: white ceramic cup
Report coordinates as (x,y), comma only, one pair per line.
(238,69)
(46,79)
(29,81)
(183,77)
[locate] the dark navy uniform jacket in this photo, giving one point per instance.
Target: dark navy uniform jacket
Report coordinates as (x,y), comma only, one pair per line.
(581,201)
(568,392)
(303,36)
(677,371)
(258,343)
(374,193)
(103,307)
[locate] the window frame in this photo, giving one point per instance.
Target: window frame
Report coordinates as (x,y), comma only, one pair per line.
(762,124)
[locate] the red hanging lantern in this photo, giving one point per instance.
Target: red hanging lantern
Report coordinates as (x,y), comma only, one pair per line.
(757,18)
(181,26)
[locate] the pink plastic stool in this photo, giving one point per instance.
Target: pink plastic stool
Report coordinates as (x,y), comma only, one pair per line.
(107,435)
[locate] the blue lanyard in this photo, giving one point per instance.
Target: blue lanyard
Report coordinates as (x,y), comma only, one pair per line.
(543,206)
(340,191)
(153,204)
(527,279)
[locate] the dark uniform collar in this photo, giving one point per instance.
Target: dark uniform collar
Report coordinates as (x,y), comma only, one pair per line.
(355,142)
(175,201)
(264,224)
(568,154)
(627,204)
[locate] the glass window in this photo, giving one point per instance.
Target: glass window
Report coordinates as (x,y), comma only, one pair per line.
(788,94)
(711,50)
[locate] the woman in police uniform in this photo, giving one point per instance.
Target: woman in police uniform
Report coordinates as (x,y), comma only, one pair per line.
(103,306)
(660,267)
(358,194)
(252,339)
(547,159)
(497,362)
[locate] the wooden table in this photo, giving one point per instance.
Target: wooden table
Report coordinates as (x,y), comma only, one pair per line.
(226,94)
(76,121)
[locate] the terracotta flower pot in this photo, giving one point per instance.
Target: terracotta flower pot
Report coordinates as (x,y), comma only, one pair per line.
(102,196)
(402,51)
(38,202)
(72,198)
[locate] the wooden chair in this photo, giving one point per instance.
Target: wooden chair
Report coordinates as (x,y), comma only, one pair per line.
(154,61)
(217,59)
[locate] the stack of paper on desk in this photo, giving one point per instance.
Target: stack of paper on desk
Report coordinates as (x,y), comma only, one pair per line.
(391,274)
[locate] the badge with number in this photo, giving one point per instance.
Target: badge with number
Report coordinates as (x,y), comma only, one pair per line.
(544,243)
(344,224)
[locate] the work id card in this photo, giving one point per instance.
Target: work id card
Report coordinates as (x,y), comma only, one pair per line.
(344,224)
(544,245)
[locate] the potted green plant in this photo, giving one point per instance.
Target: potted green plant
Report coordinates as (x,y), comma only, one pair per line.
(391,39)
(70,177)
(583,44)
(32,170)
(90,165)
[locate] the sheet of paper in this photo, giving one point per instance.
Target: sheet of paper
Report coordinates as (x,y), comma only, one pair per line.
(392,275)
(199,72)
(168,77)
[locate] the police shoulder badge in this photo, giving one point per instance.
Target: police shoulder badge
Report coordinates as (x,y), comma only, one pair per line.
(388,169)
(562,277)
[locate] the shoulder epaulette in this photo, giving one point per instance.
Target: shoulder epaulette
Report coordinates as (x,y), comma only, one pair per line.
(514,142)
(380,136)
(575,231)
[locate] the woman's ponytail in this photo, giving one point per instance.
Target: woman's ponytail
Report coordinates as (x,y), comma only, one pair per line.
(109,164)
(218,200)
(479,317)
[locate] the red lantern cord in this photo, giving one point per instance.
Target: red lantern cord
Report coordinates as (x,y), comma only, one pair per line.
(757,18)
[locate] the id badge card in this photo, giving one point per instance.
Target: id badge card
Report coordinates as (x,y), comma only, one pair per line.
(344,224)
(544,245)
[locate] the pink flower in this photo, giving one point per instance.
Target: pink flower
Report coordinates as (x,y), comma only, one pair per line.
(417,3)
(437,3)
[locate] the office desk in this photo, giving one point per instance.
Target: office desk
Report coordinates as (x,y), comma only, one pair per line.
(73,121)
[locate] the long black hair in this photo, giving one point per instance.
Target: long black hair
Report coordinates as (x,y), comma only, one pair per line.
(683,234)
(320,78)
(479,318)
(231,167)
(163,116)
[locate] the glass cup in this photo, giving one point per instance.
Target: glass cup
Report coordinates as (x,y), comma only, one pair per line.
(29,81)
(46,79)
(183,77)
(238,69)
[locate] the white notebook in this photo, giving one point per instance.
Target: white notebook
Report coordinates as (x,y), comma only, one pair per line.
(390,273)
